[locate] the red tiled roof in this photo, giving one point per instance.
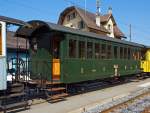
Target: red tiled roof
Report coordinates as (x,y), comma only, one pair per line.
(89,19)
(117,32)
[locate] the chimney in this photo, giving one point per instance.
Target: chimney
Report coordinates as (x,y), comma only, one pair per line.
(98,19)
(110,10)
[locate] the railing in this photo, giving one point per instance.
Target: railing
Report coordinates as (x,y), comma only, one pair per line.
(30,69)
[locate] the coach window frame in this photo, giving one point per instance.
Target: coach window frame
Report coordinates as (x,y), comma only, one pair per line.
(121,56)
(85,49)
(125,52)
(75,49)
(109,52)
(89,49)
(115,56)
(103,52)
(95,50)
(129,53)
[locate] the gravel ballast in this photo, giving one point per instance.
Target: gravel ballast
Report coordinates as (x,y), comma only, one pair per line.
(135,106)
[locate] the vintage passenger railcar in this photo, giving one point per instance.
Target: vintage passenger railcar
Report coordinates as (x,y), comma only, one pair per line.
(145,62)
(3,66)
(71,56)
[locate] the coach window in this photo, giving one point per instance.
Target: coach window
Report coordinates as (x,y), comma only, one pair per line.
(34,45)
(0,41)
(129,53)
(115,52)
(89,49)
(72,48)
(121,52)
(81,49)
(125,53)
(103,51)
(97,50)
(138,55)
(109,53)
(133,54)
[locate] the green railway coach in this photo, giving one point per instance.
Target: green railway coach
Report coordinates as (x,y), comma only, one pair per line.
(70,56)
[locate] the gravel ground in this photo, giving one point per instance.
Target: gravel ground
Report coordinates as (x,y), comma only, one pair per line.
(147,110)
(137,106)
(132,106)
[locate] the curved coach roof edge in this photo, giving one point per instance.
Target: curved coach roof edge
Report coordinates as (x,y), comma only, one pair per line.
(25,32)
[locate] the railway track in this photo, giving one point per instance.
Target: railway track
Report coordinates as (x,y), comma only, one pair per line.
(138,104)
(137,101)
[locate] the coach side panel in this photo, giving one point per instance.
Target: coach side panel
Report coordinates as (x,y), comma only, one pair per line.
(90,59)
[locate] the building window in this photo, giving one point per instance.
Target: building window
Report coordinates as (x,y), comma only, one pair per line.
(68,17)
(97,51)
(103,51)
(109,53)
(115,52)
(89,49)
(109,27)
(82,49)
(81,25)
(72,48)
(71,16)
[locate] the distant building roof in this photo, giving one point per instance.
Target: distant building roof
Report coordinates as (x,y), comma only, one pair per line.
(89,19)
(9,20)
(12,41)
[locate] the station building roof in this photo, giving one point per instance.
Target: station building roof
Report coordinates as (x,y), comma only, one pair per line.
(9,20)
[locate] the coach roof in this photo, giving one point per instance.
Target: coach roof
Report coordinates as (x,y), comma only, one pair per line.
(27,32)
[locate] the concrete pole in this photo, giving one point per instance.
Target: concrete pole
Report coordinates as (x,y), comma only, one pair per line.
(130,34)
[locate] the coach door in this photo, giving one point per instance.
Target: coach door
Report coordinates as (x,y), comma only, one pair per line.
(55,42)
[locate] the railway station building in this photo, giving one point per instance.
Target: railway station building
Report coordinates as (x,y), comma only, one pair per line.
(78,18)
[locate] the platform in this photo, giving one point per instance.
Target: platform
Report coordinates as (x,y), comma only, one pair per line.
(76,104)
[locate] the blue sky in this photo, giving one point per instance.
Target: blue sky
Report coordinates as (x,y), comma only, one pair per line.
(135,12)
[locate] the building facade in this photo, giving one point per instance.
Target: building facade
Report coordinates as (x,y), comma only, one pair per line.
(78,18)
